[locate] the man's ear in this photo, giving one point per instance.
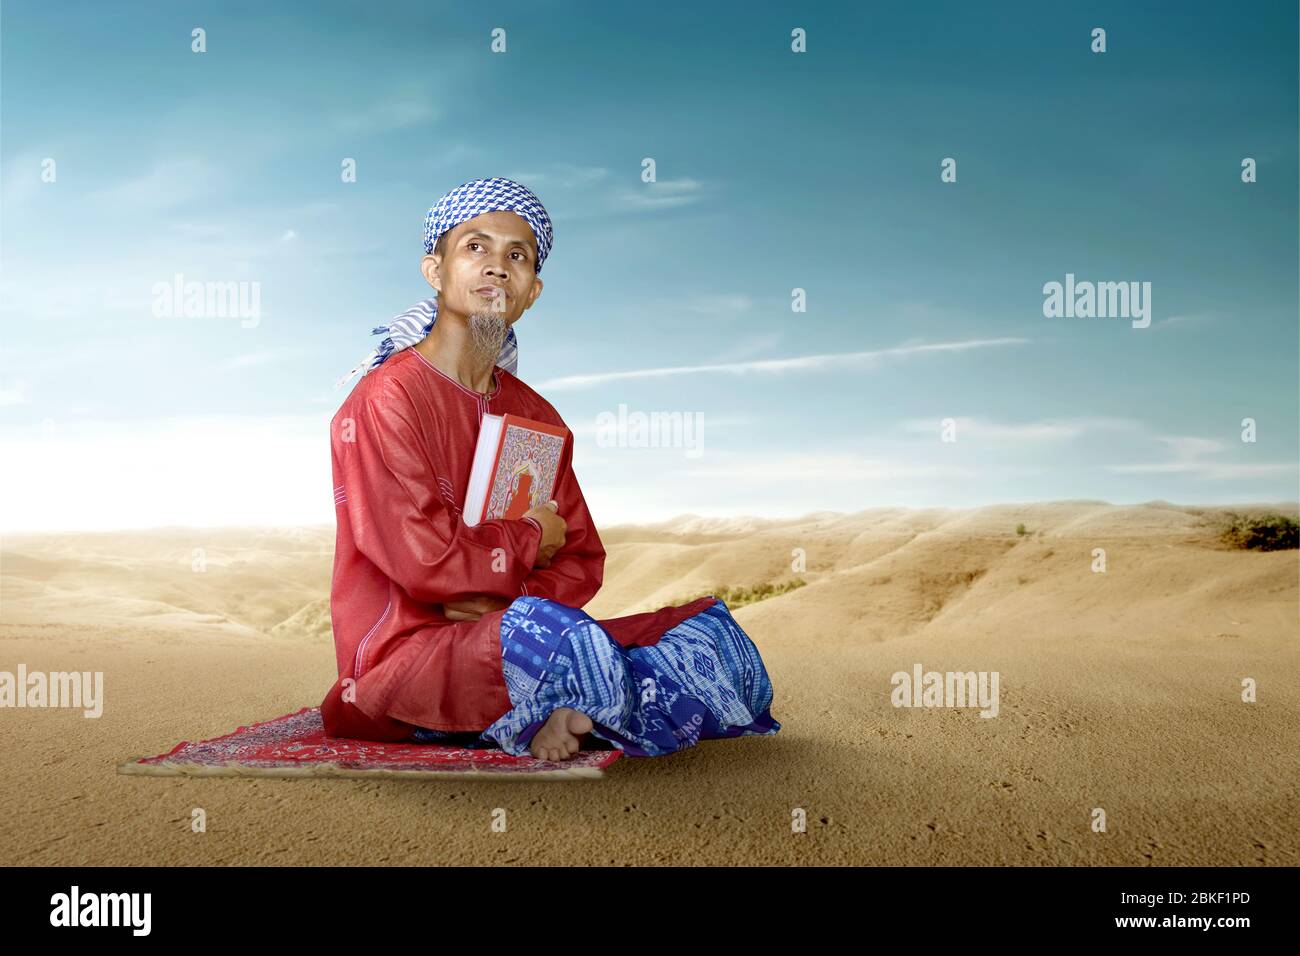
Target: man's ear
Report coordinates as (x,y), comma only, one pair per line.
(536,291)
(430,267)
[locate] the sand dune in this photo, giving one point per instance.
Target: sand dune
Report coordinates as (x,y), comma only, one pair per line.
(1119,690)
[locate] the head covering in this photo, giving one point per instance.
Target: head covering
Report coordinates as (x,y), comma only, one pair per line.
(463,203)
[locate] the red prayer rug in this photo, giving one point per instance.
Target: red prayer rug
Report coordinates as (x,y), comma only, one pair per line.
(295,745)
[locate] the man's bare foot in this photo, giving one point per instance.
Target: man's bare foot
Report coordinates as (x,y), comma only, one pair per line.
(558,738)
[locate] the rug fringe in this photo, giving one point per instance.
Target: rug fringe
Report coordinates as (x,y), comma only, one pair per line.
(133,768)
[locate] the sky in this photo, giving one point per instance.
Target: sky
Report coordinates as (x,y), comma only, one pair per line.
(128,159)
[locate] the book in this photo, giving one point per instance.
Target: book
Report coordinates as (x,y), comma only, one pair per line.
(516,462)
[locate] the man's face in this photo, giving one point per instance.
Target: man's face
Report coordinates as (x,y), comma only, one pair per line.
(494,251)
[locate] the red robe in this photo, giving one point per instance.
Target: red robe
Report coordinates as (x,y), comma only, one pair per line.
(402,447)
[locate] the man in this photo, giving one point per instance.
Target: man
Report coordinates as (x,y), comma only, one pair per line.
(440,627)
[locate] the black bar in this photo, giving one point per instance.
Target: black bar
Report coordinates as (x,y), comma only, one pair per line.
(304,904)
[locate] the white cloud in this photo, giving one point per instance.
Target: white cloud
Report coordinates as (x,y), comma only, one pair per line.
(751,345)
(1209,469)
(664,194)
(722,304)
(199,470)
(1196,318)
(824,468)
(1192,457)
(1190,447)
(563,176)
(986,430)
(22,179)
(17,395)
(801,363)
(171,182)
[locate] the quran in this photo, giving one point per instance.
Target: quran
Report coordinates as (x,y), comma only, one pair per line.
(515,464)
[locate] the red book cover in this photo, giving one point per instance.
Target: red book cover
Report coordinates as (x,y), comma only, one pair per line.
(515,467)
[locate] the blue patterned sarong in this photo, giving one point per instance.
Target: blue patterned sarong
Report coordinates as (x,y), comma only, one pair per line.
(703,680)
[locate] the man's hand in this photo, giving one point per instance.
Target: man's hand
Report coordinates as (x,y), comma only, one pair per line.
(471,609)
(554,530)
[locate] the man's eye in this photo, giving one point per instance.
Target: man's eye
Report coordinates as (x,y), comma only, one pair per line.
(523,256)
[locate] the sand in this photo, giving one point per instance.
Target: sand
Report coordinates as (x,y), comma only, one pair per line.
(1118,690)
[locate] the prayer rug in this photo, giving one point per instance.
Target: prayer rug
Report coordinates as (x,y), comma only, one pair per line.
(295,745)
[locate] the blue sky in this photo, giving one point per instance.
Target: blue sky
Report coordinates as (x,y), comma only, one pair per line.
(775,171)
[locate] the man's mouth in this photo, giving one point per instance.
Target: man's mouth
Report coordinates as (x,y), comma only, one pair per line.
(490,291)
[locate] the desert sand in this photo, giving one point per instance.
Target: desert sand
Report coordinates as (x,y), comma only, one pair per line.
(1118,690)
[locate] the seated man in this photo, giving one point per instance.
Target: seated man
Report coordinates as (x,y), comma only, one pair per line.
(440,627)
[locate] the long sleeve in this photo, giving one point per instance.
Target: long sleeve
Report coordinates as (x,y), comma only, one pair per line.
(400,521)
(577,569)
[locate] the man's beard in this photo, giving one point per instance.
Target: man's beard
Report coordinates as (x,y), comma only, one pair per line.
(487,333)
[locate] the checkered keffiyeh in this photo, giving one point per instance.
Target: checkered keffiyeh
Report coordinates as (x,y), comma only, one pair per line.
(464,202)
